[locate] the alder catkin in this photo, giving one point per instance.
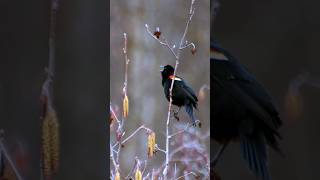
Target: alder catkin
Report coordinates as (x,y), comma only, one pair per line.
(125,106)
(151,144)
(138,174)
(50,144)
(117,177)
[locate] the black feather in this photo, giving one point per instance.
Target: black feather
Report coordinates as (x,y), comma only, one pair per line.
(254,152)
(182,94)
(242,109)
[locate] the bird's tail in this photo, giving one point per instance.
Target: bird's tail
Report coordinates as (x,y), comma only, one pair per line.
(254,152)
(189,110)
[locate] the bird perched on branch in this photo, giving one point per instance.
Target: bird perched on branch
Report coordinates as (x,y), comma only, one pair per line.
(241,109)
(182,94)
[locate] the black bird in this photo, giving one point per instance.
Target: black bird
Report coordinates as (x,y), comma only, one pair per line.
(2,165)
(242,110)
(182,94)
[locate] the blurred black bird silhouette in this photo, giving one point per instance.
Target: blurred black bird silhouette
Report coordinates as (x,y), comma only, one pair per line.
(2,165)
(241,109)
(182,94)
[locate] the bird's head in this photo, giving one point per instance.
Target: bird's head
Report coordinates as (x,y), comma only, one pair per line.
(166,71)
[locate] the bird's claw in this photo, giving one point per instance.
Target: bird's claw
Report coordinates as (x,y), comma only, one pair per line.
(175,114)
(197,122)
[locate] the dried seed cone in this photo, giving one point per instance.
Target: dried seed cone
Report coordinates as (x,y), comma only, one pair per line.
(125,106)
(50,144)
(117,176)
(138,174)
(151,144)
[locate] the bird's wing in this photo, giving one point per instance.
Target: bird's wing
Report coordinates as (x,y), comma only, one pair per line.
(189,90)
(185,91)
(244,88)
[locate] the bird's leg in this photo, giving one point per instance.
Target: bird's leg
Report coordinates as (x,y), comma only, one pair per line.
(175,114)
(218,155)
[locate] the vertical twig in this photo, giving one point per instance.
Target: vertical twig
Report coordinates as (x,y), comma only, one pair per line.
(51,65)
(120,130)
(126,64)
(47,87)
(182,46)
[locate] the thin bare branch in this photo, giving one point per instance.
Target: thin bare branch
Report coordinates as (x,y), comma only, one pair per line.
(159,149)
(133,168)
(179,132)
(186,46)
(114,114)
(164,42)
(187,174)
(145,166)
(7,156)
(135,132)
(191,13)
(125,50)
(112,158)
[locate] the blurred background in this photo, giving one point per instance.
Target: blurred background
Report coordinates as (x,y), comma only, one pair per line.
(278,41)
(80,85)
(148,104)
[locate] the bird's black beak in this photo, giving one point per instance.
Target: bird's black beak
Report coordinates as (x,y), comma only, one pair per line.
(161,68)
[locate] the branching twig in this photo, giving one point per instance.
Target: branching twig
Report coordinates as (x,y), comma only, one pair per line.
(133,168)
(189,173)
(112,157)
(132,135)
(159,149)
(114,114)
(177,58)
(135,132)
(181,131)
(164,42)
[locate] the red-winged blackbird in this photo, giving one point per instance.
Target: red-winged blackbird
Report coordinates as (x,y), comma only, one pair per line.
(241,109)
(182,94)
